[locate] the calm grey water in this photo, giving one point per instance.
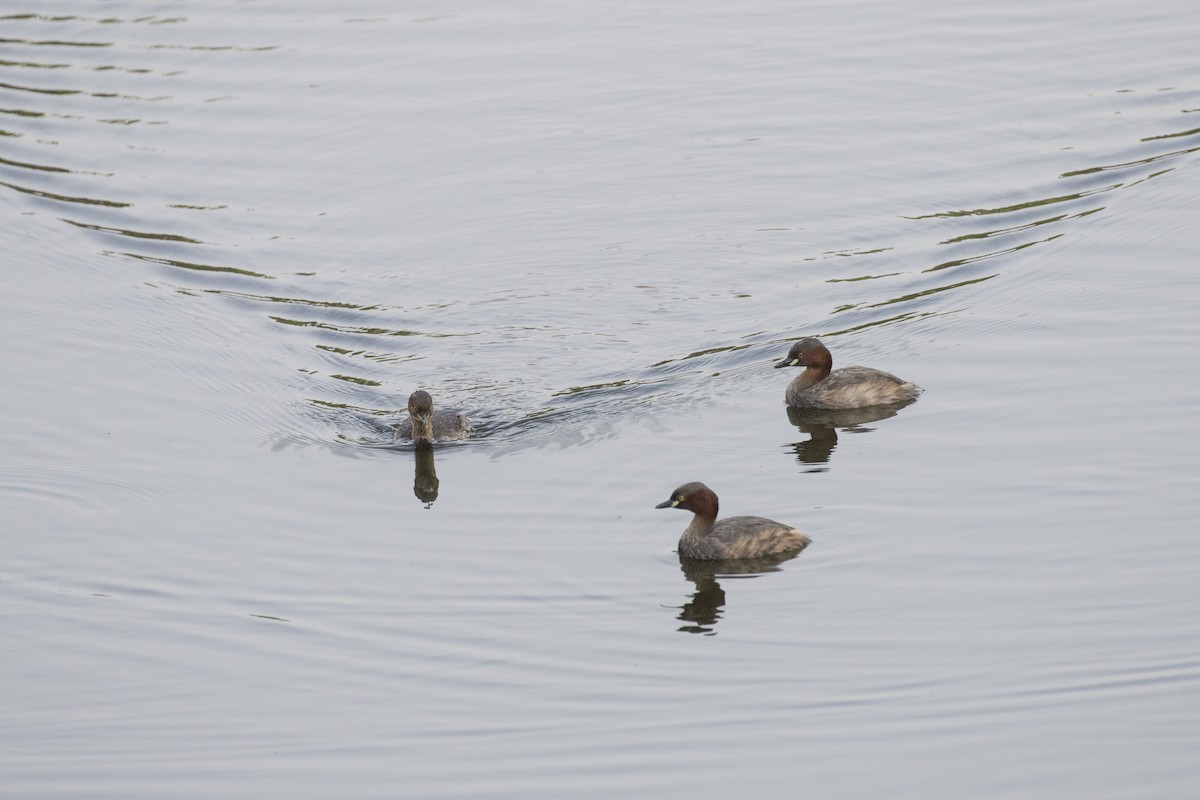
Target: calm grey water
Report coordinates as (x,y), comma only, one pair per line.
(237,235)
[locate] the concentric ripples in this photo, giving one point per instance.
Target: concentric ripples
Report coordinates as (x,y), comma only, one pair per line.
(153,97)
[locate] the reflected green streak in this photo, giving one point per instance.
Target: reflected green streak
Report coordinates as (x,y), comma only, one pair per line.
(170,262)
(979,212)
(166,237)
(65,198)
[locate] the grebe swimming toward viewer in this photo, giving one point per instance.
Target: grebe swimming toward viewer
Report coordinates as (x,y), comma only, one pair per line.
(426,425)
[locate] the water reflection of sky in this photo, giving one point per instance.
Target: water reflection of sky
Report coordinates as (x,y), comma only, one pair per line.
(241,235)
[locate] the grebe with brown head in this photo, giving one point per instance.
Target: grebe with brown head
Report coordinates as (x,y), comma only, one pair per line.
(822,387)
(733,537)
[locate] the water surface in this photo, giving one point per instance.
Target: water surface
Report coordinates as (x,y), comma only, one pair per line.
(240,235)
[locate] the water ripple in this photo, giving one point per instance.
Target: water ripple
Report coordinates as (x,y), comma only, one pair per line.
(364,321)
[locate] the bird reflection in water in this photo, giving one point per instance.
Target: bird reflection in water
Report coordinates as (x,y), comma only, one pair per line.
(425,481)
(704,609)
(822,425)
